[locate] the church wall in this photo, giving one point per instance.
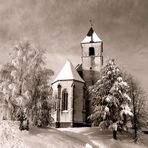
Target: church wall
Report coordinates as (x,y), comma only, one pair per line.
(91,69)
(65,115)
(70,117)
(79,101)
(92,63)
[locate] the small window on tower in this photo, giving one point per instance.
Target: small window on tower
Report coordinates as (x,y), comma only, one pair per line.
(91,51)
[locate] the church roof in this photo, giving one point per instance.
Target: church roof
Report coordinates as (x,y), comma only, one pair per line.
(91,37)
(79,67)
(68,72)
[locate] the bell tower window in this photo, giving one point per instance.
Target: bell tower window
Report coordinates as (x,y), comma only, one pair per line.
(91,51)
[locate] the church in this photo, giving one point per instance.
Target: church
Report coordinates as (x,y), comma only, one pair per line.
(70,85)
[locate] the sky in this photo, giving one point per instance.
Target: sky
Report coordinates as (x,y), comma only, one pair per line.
(60,26)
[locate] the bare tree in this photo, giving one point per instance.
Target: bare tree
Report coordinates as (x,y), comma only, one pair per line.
(139,105)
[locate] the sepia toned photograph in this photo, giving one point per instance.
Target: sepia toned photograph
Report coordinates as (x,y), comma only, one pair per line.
(73,73)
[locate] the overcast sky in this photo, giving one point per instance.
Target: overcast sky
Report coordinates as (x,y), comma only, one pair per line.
(60,26)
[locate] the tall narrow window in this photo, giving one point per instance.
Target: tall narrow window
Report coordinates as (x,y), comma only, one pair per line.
(91,51)
(64,100)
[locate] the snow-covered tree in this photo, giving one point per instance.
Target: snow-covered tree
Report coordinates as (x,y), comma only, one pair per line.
(111,103)
(139,105)
(25,85)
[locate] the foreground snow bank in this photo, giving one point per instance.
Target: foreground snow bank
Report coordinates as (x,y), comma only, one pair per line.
(9,135)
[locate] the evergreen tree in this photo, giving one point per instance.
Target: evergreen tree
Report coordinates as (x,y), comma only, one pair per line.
(110,101)
(25,86)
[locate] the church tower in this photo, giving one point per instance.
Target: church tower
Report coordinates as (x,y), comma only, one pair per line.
(92,57)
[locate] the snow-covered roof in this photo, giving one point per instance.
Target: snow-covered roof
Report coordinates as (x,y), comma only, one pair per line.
(91,37)
(68,72)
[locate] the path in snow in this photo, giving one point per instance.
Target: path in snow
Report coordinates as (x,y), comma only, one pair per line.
(51,138)
(103,139)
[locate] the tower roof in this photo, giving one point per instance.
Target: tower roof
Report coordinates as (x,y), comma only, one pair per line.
(91,37)
(68,72)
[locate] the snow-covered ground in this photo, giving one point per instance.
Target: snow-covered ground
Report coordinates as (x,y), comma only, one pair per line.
(103,139)
(11,137)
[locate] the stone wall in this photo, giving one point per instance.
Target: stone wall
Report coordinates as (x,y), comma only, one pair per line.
(79,101)
(75,112)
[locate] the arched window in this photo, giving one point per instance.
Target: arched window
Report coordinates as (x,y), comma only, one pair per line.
(91,51)
(64,100)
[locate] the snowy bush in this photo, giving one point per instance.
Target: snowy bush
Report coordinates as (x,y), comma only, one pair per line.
(9,135)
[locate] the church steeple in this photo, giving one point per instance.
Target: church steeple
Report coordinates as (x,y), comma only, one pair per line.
(92,56)
(91,37)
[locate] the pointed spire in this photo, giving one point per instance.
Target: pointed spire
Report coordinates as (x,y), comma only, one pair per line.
(91,36)
(90,32)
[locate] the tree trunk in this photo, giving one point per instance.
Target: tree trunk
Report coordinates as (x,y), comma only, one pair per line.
(115,134)
(135,119)
(24,122)
(135,128)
